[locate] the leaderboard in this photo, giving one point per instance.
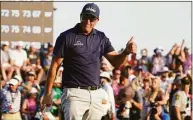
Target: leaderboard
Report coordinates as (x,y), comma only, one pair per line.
(27,21)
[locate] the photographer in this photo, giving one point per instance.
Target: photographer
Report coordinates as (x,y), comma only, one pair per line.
(130,104)
(157,99)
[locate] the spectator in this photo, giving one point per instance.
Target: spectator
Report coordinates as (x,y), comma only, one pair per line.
(130,104)
(137,83)
(106,81)
(188,60)
(157,99)
(19,59)
(47,58)
(158,60)
(29,106)
(10,101)
(116,81)
(144,60)
(164,84)
(56,97)
(181,103)
(29,81)
(33,62)
(145,93)
(6,66)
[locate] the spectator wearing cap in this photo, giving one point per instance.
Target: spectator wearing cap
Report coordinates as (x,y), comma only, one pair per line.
(158,60)
(137,83)
(106,66)
(181,103)
(6,66)
(130,73)
(19,58)
(29,105)
(33,62)
(10,101)
(144,60)
(106,85)
(29,81)
(164,84)
(176,85)
(80,49)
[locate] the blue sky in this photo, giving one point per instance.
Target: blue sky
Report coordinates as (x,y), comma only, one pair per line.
(152,24)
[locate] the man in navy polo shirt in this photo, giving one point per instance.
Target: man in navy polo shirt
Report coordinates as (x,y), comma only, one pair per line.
(80,50)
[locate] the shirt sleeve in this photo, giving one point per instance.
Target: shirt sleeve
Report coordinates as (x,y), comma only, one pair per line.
(108,47)
(176,100)
(60,46)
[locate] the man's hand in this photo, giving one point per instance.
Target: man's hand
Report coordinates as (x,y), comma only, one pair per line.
(46,102)
(131,47)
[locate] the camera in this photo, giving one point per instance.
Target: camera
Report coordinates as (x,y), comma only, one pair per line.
(153,106)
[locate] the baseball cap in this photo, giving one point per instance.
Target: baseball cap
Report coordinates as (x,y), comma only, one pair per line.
(19,43)
(105,75)
(5,43)
(158,50)
(31,73)
(91,9)
(17,77)
(33,90)
(13,82)
(164,69)
(138,68)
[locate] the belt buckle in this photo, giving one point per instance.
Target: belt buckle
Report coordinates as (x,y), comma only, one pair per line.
(89,87)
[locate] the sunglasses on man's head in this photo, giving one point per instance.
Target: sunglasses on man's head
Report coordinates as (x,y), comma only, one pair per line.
(89,17)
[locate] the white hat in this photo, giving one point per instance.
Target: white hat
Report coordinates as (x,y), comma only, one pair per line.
(33,90)
(13,82)
(19,43)
(164,69)
(5,43)
(105,75)
(17,77)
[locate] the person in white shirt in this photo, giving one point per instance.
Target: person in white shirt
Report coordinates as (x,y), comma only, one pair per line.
(106,85)
(10,98)
(6,67)
(19,58)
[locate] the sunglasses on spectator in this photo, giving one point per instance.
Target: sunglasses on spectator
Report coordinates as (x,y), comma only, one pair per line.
(89,17)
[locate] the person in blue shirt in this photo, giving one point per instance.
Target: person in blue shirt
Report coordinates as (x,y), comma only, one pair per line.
(80,50)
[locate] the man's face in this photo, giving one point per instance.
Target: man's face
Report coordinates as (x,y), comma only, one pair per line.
(13,87)
(88,22)
(164,75)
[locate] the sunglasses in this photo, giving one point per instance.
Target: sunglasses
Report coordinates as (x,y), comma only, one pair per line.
(89,17)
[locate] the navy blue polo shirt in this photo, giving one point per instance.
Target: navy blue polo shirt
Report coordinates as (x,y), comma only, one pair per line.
(82,56)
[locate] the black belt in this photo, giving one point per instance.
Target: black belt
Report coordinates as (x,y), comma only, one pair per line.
(85,87)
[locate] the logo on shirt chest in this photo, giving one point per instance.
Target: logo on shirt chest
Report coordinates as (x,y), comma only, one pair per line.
(78,43)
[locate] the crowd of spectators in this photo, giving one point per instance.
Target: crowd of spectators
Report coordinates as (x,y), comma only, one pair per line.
(156,87)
